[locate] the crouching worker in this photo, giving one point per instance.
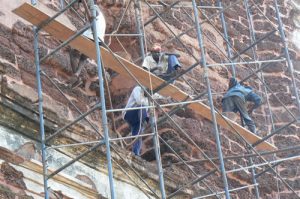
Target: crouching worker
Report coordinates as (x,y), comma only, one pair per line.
(235,101)
(164,65)
(78,67)
(137,119)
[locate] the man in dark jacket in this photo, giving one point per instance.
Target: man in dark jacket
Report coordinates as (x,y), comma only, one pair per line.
(235,101)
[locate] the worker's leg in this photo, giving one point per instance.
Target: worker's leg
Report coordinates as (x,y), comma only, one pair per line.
(81,64)
(241,106)
(137,145)
(173,64)
(133,119)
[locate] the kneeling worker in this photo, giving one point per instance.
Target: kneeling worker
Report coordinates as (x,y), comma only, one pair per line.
(137,119)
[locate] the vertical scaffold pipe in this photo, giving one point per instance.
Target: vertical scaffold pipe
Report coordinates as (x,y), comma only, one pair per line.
(101,90)
(158,157)
(41,113)
(253,39)
(137,9)
(254,181)
(286,51)
(224,26)
(212,108)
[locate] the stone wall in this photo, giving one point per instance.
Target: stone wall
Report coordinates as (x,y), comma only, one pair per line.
(17,73)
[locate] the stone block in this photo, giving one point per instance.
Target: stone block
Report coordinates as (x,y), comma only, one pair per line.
(273,83)
(288,196)
(60,61)
(5,31)
(275,67)
(289,172)
(267,183)
(282,141)
(9,70)
(266,45)
(12,176)
(262,26)
(22,30)
(280,100)
(7,54)
(26,63)
(24,44)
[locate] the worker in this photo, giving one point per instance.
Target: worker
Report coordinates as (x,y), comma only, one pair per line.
(137,119)
(77,68)
(235,101)
(164,65)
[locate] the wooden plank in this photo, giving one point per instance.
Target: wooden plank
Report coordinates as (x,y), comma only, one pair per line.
(60,29)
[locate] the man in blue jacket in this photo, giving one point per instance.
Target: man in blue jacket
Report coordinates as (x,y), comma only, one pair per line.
(235,101)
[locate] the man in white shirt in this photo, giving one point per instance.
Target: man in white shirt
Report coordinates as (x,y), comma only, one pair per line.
(136,118)
(161,64)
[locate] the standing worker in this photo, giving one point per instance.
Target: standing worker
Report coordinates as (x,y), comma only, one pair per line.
(235,101)
(137,119)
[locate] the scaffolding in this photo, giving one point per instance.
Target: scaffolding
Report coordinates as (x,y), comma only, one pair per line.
(231,59)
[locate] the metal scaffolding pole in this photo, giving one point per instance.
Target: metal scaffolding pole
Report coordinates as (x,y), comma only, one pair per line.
(158,157)
(252,36)
(41,112)
(102,96)
(216,131)
(137,7)
(224,25)
(286,51)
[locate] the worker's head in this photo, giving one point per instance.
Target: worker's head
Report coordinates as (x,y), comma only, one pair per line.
(232,82)
(155,52)
(156,47)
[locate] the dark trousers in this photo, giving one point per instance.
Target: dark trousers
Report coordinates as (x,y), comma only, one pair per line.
(240,106)
(135,119)
(173,64)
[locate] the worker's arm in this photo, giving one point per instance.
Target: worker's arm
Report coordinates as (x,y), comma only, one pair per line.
(146,63)
(138,94)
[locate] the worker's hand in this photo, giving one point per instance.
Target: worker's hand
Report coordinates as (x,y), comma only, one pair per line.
(177,67)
